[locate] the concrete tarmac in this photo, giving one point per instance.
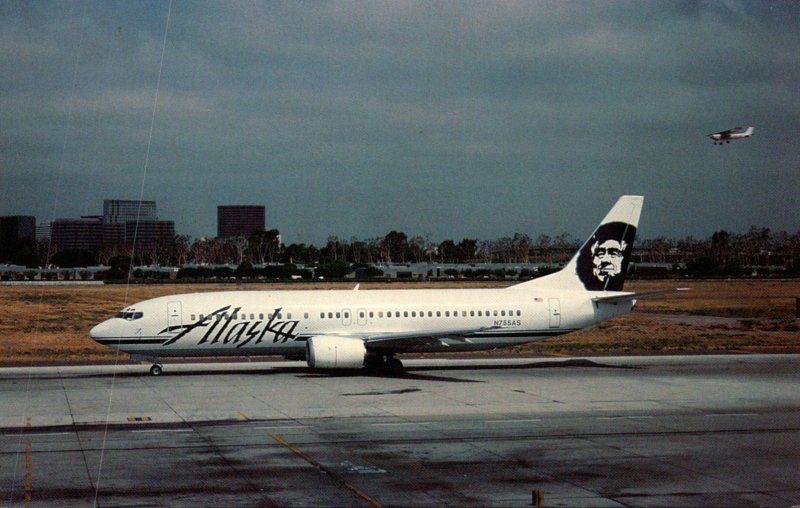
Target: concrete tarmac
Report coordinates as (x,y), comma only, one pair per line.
(605,431)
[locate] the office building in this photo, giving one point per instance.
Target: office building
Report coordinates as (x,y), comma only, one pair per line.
(240,220)
(149,233)
(120,211)
(17,227)
(43,232)
(76,234)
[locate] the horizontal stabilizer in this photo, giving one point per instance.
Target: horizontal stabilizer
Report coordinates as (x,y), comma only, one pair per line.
(627,297)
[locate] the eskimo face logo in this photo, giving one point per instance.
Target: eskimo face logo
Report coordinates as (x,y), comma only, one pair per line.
(607,259)
(603,260)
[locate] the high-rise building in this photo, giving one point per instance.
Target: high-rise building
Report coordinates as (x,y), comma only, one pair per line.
(122,222)
(148,233)
(240,220)
(77,234)
(43,231)
(18,227)
(120,211)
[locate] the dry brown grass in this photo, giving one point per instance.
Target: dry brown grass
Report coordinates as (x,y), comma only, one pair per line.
(43,324)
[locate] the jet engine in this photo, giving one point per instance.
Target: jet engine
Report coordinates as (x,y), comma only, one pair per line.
(328,352)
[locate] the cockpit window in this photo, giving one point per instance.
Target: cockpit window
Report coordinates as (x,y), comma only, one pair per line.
(129,315)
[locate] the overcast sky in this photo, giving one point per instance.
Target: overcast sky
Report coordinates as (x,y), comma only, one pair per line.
(447,119)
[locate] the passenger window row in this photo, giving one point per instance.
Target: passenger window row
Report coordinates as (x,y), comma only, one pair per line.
(389,314)
(421,314)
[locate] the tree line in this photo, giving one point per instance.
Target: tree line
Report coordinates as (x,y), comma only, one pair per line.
(724,253)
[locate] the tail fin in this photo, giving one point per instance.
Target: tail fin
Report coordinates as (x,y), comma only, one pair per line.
(749,131)
(602,262)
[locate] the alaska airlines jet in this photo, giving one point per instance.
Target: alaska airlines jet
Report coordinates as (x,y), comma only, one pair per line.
(346,329)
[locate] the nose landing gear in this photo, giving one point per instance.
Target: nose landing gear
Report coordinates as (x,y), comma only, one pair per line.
(156,369)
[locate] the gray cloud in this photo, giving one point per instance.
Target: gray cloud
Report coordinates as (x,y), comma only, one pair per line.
(454,119)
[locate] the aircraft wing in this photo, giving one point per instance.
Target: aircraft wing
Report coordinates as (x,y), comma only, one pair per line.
(627,297)
(727,132)
(404,340)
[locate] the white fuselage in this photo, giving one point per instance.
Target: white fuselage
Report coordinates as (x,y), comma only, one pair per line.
(279,322)
(335,329)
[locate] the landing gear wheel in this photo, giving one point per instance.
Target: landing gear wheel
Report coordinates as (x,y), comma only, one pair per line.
(374,363)
(155,370)
(394,365)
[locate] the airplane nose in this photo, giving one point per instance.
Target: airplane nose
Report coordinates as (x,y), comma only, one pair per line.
(101,330)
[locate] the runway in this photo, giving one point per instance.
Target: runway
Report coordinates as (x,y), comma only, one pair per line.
(605,431)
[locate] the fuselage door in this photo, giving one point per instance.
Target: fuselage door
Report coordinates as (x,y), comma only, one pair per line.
(555,313)
(174,316)
(346,317)
(362,316)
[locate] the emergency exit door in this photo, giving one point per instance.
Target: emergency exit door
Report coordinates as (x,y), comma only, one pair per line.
(555,313)
(174,316)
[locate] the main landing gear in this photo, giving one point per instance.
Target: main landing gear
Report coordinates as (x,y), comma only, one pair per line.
(156,369)
(383,364)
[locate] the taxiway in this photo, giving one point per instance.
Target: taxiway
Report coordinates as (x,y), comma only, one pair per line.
(611,431)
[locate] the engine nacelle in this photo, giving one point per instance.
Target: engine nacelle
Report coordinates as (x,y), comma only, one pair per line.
(328,352)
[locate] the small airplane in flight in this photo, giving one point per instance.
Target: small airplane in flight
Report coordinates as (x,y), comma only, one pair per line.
(350,329)
(730,134)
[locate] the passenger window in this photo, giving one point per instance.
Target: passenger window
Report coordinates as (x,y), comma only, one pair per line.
(371,315)
(288,315)
(438,313)
(502,313)
(472,313)
(447,313)
(480,313)
(361,315)
(305,315)
(338,315)
(261,315)
(519,313)
(330,315)
(405,313)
